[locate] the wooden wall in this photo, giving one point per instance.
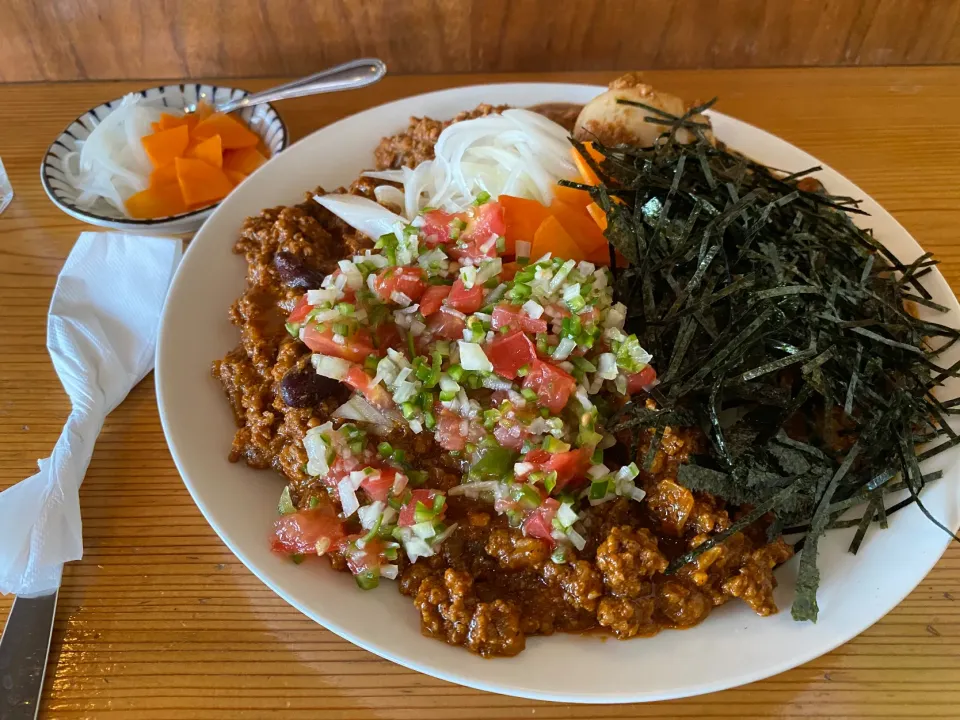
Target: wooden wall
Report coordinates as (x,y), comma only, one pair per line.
(113,39)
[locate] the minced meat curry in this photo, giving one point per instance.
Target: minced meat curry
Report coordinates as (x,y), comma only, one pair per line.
(495,560)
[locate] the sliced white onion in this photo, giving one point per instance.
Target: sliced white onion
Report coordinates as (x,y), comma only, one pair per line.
(362,214)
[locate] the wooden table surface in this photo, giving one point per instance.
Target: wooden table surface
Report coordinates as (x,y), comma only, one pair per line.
(159,620)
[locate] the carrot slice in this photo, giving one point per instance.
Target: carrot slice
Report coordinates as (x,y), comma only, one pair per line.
(209,150)
(586,172)
(598,215)
(203,111)
(233,133)
(579,225)
(164,146)
(235,176)
(156,127)
(522,218)
(156,202)
(201,182)
(165,175)
(553,238)
(572,196)
(244,160)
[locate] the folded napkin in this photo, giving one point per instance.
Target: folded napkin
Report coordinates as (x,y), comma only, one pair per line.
(102,336)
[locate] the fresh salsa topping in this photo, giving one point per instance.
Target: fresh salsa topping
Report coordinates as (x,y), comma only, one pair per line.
(501,361)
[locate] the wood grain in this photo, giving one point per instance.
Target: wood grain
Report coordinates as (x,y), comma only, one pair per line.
(124,39)
(160,621)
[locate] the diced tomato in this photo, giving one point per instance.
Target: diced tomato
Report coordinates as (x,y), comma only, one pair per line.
(449,434)
(407,512)
(376,395)
(569,466)
(639,381)
(300,532)
(464,300)
(590,315)
(408,280)
(539,523)
(509,271)
(433,298)
(437,226)
(300,312)
(379,487)
(552,385)
(512,436)
(387,336)
(505,315)
(356,347)
(508,353)
(365,559)
(446,325)
(478,239)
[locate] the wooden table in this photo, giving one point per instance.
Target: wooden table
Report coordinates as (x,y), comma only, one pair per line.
(159,620)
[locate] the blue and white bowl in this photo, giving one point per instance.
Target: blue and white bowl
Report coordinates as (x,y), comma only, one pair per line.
(262,119)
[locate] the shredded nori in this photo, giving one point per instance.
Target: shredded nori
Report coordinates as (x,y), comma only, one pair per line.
(764,302)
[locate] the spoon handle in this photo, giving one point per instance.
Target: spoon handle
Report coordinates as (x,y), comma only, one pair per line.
(348,76)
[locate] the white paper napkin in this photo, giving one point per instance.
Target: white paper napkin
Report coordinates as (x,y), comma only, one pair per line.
(102,336)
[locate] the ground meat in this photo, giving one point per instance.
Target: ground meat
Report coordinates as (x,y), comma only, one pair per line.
(628,559)
(626,617)
(446,606)
(415,144)
(514,551)
(754,584)
(580,582)
(495,629)
(412,577)
(449,610)
(563,114)
(682,604)
(670,504)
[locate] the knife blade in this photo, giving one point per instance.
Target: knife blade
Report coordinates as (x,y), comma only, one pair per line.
(24,647)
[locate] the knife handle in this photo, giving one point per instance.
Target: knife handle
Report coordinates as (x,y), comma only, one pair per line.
(23,655)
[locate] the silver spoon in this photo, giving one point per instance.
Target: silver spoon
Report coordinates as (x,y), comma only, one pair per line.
(348,76)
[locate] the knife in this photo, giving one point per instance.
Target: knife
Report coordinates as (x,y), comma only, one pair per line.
(24,647)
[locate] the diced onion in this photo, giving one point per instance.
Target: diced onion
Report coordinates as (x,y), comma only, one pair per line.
(332,367)
(564,348)
(369,514)
(389,571)
(607,366)
(523,249)
(533,309)
(348,497)
(472,357)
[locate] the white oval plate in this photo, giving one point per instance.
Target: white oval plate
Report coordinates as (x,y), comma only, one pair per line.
(732,647)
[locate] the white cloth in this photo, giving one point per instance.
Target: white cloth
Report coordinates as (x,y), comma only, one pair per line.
(102,336)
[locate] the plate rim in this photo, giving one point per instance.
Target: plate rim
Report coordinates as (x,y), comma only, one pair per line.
(578,696)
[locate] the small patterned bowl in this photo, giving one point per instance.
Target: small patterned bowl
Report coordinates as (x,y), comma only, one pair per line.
(262,119)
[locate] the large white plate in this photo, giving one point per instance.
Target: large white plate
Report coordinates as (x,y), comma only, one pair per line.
(732,647)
